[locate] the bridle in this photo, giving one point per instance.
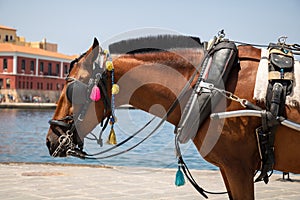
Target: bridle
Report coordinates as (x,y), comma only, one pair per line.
(79,93)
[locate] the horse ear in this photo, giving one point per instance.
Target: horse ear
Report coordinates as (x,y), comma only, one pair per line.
(95,44)
(92,53)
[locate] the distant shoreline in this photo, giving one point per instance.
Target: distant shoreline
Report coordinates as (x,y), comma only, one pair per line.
(28,105)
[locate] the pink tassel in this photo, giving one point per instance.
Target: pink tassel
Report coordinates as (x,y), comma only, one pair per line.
(95,94)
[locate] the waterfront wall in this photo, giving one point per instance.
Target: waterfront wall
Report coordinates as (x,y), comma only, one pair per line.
(23,95)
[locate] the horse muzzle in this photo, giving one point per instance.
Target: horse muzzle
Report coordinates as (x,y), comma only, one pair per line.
(55,148)
(59,141)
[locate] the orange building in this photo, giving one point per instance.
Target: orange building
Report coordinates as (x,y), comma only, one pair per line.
(30,73)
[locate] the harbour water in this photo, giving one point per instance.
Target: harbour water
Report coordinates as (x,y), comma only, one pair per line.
(23,132)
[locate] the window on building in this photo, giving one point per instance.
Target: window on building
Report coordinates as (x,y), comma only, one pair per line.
(50,69)
(6,38)
(4,63)
(11,37)
(20,85)
(8,83)
(65,69)
(32,65)
(1,83)
(57,69)
(23,64)
(41,67)
(31,85)
(57,86)
(42,86)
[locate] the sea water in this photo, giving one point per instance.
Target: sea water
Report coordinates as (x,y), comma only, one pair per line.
(23,135)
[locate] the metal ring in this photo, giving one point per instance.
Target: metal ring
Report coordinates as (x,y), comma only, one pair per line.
(221,33)
(64,140)
(69,133)
(282,39)
(98,75)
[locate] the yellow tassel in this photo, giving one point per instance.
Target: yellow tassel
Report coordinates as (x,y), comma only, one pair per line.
(109,65)
(115,89)
(106,51)
(112,137)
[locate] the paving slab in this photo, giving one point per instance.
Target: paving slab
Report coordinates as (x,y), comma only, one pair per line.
(44,181)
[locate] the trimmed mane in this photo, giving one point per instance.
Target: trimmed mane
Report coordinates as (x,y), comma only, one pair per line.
(154,44)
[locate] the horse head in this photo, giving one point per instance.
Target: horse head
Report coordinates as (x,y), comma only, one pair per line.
(79,108)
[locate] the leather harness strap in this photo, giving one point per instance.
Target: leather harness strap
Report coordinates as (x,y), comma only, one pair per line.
(280,78)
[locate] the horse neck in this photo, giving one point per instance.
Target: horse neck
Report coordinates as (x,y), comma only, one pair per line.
(153,81)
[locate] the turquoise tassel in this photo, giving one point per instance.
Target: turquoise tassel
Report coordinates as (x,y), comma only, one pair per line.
(179,181)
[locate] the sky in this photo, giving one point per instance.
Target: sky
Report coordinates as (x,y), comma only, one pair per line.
(73,24)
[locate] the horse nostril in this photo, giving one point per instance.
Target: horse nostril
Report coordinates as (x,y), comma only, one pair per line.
(48,143)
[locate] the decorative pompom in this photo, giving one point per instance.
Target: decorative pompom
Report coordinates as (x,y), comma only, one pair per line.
(115,89)
(109,65)
(95,94)
(106,51)
(179,180)
(112,137)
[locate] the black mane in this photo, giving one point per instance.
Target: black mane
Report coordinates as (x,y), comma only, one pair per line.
(154,43)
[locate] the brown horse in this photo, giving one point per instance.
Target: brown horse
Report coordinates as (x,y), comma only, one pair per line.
(146,82)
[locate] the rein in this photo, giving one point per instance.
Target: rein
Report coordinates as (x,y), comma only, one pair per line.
(92,156)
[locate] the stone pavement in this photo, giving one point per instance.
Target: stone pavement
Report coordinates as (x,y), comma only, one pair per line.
(22,181)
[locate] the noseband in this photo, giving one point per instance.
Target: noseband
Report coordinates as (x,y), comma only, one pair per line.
(79,93)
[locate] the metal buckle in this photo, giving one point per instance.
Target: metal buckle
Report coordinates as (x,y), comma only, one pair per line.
(205,87)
